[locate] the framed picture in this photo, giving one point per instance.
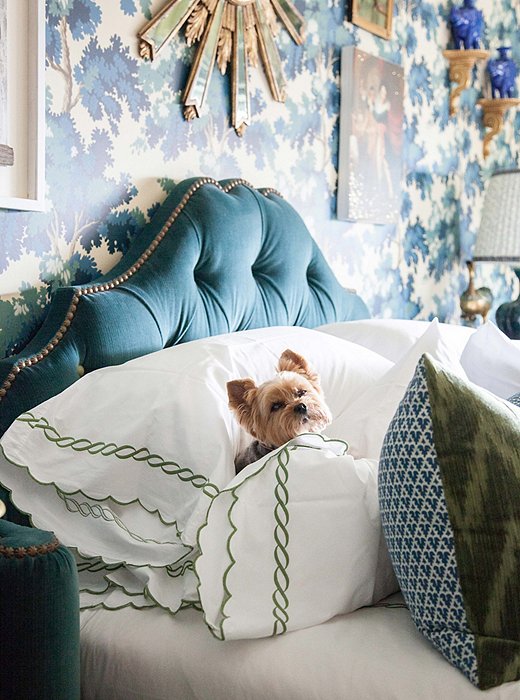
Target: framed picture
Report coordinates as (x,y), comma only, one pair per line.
(6,151)
(370,138)
(373,15)
(22,104)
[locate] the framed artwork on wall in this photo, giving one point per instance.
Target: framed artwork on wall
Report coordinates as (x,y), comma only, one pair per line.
(373,15)
(6,151)
(22,108)
(370,138)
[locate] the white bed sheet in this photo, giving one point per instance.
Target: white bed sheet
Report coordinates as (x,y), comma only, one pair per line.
(371,654)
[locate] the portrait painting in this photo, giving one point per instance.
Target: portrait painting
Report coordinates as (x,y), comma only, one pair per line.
(371,138)
(372,15)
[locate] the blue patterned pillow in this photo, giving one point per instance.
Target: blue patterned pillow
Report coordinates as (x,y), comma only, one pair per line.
(449,489)
(515,399)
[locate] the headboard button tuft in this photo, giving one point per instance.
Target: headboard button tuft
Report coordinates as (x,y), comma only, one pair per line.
(81,370)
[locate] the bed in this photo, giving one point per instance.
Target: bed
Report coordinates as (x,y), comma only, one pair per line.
(133,366)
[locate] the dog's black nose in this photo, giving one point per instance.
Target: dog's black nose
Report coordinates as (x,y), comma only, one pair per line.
(300,408)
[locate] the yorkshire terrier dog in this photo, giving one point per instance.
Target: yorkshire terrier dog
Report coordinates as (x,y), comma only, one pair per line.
(280,409)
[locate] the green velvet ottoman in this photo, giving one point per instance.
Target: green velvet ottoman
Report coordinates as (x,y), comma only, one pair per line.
(39,616)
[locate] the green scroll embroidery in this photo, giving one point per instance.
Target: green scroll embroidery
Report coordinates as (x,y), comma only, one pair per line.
(109,449)
(232,561)
(87,510)
(95,565)
(281,537)
(181,569)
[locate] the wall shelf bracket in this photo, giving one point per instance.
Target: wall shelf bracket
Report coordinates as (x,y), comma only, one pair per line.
(461,63)
(493,117)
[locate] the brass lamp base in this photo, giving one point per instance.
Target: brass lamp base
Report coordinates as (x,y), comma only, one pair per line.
(475,302)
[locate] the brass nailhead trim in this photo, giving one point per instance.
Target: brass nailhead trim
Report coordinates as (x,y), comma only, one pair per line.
(270,190)
(33,551)
(265,190)
(112,284)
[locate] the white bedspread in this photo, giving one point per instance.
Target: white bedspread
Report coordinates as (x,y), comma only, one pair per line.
(371,654)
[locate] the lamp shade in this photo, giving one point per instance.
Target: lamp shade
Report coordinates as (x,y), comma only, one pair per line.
(498,237)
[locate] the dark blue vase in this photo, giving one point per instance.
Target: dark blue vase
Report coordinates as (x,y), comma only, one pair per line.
(508,316)
(467,25)
(502,73)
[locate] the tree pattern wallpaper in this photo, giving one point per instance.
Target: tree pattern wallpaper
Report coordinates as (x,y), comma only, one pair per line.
(116,142)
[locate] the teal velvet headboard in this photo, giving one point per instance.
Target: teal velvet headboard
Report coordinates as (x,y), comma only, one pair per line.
(215,258)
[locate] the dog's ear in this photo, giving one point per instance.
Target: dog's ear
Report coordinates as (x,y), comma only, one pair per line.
(290,361)
(238,393)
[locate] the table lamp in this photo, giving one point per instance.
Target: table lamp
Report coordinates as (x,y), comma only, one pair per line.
(498,238)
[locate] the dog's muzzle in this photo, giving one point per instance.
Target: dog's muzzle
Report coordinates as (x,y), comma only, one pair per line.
(300,408)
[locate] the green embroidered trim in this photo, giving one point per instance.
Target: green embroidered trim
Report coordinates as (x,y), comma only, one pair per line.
(97,511)
(96,565)
(232,561)
(222,617)
(91,498)
(185,605)
(226,597)
(181,569)
(109,449)
(102,605)
(281,537)
(182,605)
(149,601)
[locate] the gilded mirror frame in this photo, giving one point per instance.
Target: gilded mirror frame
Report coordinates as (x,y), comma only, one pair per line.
(232,33)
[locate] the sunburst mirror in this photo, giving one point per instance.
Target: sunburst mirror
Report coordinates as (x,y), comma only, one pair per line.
(230,32)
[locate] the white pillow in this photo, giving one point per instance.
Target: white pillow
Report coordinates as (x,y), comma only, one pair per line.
(294,540)
(363,424)
(132,455)
(393,337)
(492,360)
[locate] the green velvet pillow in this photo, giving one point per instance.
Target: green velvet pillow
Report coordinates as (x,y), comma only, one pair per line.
(449,490)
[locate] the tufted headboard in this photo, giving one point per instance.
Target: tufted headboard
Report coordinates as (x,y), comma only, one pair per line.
(216,257)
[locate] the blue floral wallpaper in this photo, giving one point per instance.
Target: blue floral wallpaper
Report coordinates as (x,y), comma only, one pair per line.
(116,140)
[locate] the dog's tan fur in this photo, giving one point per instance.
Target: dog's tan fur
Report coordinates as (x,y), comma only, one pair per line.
(281,408)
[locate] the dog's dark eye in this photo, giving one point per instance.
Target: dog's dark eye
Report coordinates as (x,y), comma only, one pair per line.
(277,406)
(300,393)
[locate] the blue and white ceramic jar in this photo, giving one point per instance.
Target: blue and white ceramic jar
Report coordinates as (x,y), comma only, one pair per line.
(502,74)
(467,25)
